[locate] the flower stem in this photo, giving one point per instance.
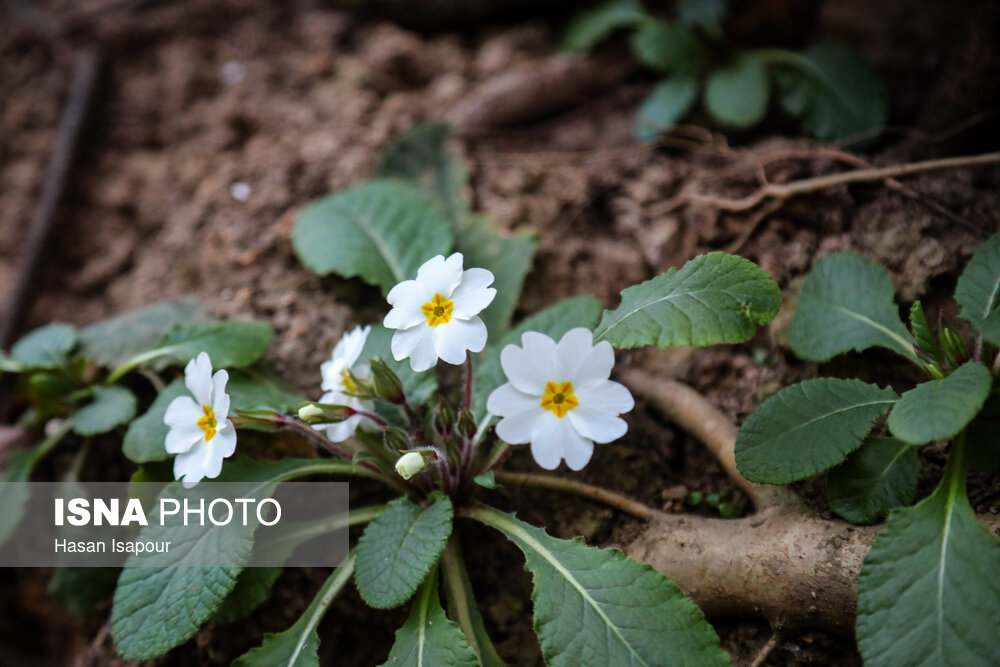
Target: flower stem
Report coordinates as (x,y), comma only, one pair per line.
(595,493)
(468,381)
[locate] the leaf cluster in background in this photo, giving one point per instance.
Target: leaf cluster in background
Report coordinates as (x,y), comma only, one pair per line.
(829,88)
(925,594)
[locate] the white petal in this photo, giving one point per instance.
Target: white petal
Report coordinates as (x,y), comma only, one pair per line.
(406,298)
(529,367)
(198,378)
(607,396)
(182,412)
(424,356)
(224,440)
(349,347)
(189,466)
(473,293)
(505,400)
(455,337)
(332,373)
(220,399)
(578,361)
(554,439)
(343,430)
(404,341)
(517,428)
(181,439)
(441,276)
(597,425)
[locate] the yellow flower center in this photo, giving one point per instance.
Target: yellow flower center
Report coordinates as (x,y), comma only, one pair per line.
(208,423)
(349,384)
(559,398)
(438,310)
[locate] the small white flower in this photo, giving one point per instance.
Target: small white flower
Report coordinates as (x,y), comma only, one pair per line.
(338,384)
(410,464)
(201,433)
(436,315)
(559,397)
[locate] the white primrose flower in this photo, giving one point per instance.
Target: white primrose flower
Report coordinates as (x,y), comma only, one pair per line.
(559,397)
(436,315)
(201,433)
(338,384)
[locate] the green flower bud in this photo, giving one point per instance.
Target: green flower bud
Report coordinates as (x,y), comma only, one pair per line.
(410,464)
(386,384)
(467,424)
(395,439)
(952,343)
(309,413)
(444,420)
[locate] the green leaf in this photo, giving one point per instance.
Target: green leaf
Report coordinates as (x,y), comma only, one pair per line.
(253,587)
(668,48)
(704,13)
(509,258)
(714,298)
(45,347)
(554,321)
(939,409)
(113,341)
(928,593)
(589,28)
(926,341)
(81,590)
(847,304)
(298,646)
(111,406)
(737,94)
(145,439)
(381,231)
(978,290)
(230,344)
(256,388)
(808,427)
(831,89)
(21,462)
(462,605)
(428,637)
(875,479)
(398,548)
(597,607)
(421,158)
(188,596)
(666,104)
(8,365)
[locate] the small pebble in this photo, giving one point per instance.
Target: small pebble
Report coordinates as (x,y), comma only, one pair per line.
(233,72)
(240,191)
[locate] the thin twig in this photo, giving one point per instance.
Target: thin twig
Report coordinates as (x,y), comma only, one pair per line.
(766,649)
(695,414)
(590,491)
(81,94)
(784,191)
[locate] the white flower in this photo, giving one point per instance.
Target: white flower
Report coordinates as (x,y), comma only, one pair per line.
(410,464)
(559,397)
(338,384)
(436,315)
(201,433)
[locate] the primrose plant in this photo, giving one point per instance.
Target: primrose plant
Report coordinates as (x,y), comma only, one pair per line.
(450,283)
(829,88)
(928,592)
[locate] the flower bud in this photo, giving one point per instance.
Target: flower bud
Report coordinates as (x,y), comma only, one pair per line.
(444,419)
(410,464)
(952,343)
(467,424)
(309,413)
(386,384)
(395,439)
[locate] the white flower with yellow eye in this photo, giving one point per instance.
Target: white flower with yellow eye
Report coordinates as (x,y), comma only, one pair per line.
(559,397)
(201,433)
(436,315)
(339,385)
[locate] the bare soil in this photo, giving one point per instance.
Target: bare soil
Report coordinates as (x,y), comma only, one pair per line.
(204,103)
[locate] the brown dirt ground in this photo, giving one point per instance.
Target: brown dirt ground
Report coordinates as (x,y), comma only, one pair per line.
(298,100)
